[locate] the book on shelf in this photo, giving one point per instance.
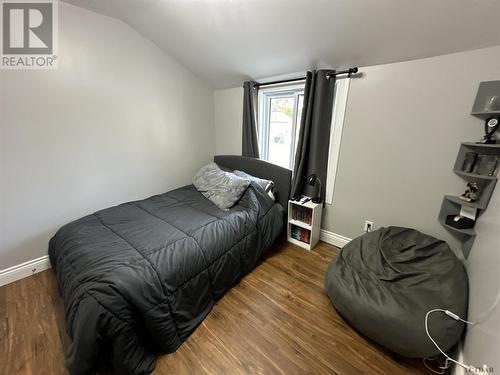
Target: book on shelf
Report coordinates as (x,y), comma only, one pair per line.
(303,214)
(301,234)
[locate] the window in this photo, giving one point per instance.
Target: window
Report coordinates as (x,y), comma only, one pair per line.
(280,109)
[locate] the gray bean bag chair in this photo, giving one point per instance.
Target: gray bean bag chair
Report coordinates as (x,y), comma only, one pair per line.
(384,282)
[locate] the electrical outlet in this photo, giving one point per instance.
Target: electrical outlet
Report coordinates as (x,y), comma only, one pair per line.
(368,227)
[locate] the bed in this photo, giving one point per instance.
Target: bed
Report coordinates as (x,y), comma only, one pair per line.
(138,278)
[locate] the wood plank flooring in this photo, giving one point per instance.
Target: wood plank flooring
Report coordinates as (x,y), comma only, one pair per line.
(277,320)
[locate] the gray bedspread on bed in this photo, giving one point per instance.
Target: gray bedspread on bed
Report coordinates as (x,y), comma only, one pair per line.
(138,278)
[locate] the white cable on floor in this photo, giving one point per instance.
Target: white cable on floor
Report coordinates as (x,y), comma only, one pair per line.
(453,316)
(457,318)
(442,369)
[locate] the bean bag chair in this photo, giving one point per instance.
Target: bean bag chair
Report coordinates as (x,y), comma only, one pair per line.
(384,282)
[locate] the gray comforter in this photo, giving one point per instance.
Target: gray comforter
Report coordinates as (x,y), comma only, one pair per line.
(138,278)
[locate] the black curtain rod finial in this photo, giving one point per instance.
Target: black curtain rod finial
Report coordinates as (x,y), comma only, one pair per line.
(352,71)
(349,72)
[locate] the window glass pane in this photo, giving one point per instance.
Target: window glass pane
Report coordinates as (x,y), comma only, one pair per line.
(280,130)
(280,111)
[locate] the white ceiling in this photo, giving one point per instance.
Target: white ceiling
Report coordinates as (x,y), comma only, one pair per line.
(227,41)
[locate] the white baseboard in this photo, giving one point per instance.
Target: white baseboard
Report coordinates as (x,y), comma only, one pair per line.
(11,274)
(333,238)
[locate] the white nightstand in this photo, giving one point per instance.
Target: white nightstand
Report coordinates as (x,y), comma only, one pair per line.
(304,223)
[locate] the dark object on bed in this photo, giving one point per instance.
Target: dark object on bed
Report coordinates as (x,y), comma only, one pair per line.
(384,283)
(138,278)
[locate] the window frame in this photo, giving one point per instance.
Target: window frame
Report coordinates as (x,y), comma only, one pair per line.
(341,97)
(264,102)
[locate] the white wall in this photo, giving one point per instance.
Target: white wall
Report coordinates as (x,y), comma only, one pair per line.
(119,120)
(228,114)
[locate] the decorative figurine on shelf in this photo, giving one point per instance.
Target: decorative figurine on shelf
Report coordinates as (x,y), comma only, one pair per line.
(312,182)
(471,194)
(490,127)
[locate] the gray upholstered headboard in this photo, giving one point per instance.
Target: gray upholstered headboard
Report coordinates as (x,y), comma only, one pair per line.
(282,177)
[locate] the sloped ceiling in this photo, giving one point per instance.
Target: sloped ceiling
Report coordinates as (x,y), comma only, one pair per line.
(225,42)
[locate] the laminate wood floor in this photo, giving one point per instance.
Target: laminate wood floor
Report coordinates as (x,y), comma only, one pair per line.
(277,320)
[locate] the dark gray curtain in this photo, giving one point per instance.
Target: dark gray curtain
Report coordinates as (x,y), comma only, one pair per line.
(250,144)
(311,155)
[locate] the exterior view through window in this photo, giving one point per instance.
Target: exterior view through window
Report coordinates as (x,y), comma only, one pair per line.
(280,109)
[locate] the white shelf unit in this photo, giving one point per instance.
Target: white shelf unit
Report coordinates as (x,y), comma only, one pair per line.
(304,223)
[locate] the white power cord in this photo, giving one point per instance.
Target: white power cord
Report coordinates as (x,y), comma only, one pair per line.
(452,315)
(442,368)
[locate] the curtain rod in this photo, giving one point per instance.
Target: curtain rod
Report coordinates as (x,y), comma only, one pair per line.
(349,72)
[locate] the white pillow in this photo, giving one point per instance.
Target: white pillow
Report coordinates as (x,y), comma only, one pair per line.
(224,189)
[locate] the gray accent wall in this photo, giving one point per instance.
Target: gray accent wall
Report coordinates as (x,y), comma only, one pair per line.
(403,127)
